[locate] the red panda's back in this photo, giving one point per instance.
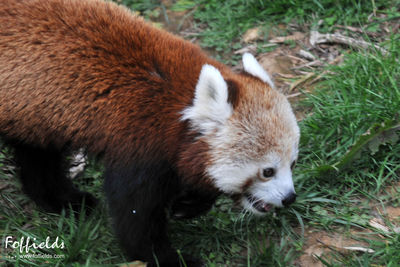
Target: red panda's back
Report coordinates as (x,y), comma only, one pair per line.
(89,72)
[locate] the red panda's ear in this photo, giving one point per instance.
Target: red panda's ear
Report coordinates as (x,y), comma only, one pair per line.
(210,104)
(251,66)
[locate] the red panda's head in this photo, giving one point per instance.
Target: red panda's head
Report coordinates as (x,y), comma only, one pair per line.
(253,138)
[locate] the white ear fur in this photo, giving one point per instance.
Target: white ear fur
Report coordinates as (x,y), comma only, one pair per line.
(251,66)
(210,104)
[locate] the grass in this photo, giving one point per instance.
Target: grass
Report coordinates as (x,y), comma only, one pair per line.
(222,33)
(362,93)
(85,238)
(355,100)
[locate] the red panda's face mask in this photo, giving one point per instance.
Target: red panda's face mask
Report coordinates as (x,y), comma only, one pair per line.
(254,143)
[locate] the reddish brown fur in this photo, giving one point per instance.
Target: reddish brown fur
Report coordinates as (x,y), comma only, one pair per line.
(89,73)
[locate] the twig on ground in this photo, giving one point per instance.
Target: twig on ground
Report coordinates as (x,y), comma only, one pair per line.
(377,225)
(345,249)
(247,49)
(336,60)
(360,249)
(358,30)
(318,38)
(294,37)
(315,63)
(301,81)
(297,94)
(286,75)
(296,58)
(307,55)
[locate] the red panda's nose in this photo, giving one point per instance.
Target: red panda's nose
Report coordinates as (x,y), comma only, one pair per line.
(289,199)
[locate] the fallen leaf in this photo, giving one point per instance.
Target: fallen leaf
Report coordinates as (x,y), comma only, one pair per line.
(393,213)
(251,35)
(274,62)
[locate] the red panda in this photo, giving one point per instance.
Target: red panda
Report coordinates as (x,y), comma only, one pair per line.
(174,127)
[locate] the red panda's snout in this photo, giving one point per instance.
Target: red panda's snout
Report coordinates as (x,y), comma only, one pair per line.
(278,191)
(253,143)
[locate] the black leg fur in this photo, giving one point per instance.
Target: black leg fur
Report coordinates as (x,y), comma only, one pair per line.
(192,202)
(43,179)
(138,199)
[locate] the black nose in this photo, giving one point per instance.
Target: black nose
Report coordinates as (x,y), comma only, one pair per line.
(289,199)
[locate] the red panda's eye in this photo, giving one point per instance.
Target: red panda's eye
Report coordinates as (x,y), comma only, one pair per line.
(268,172)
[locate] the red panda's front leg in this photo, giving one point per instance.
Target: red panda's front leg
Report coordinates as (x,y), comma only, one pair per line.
(192,202)
(138,198)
